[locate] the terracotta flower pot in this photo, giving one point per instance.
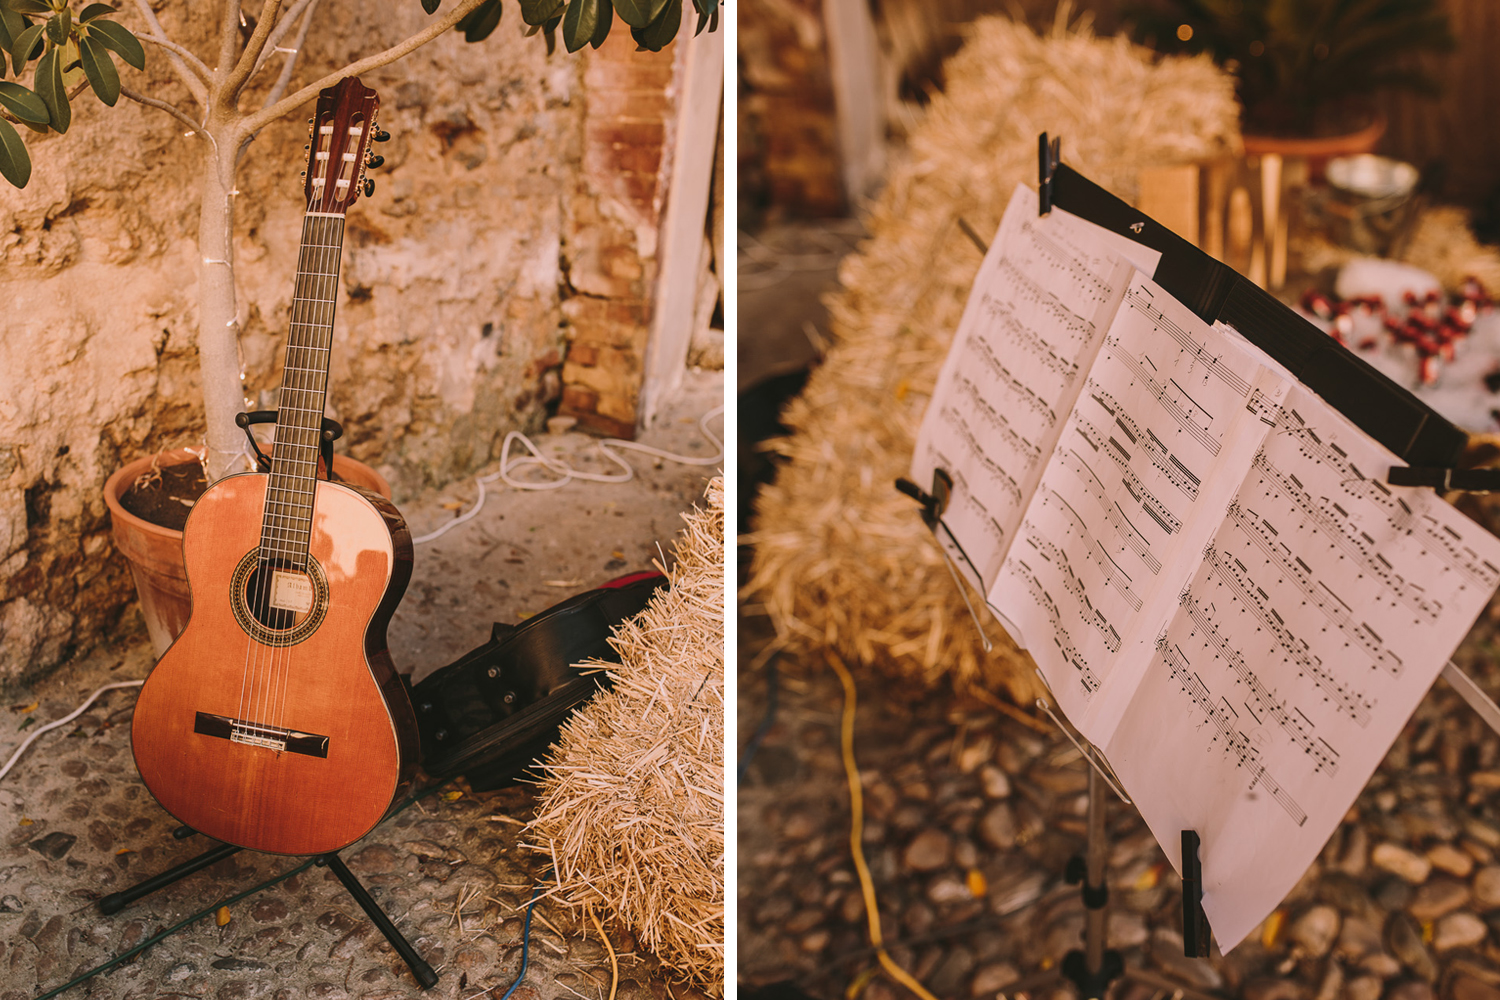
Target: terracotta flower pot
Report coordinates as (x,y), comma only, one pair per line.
(155,552)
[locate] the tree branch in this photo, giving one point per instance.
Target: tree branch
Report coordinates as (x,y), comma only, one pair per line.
(170,109)
(180,58)
(283,25)
(229,30)
(257,121)
(242,69)
(285,78)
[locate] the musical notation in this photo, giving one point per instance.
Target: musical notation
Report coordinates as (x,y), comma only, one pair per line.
(1108,445)
(1029,339)
(1236,577)
(1060,636)
(1358,545)
(1074,326)
(1191,417)
(986,355)
(1090,615)
(1113,512)
(1297,726)
(1028,451)
(1212,363)
(1088,284)
(1235,743)
(1114,576)
(1335,608)
(1166,463)
(966,435)
(1459,557)
(1266,409)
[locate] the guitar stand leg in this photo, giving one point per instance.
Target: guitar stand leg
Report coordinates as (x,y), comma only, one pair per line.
(117,901)
(415,962)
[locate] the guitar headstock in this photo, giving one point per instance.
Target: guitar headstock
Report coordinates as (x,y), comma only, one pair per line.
(339,149)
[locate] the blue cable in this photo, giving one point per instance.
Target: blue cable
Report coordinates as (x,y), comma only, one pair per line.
(525,942)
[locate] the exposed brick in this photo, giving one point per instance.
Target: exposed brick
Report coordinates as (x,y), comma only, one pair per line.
(618,131)
(605,426)
(578,400)
(583,354)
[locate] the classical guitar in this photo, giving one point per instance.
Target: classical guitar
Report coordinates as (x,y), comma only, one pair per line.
(276,721)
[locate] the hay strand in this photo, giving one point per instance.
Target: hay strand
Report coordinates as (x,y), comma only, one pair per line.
(631,810)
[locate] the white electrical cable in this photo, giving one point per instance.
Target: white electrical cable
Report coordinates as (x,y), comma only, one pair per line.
(62,722)
(567,473)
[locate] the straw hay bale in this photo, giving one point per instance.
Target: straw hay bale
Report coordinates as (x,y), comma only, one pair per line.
(841,559)
(632,802)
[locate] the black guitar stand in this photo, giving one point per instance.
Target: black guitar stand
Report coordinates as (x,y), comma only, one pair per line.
(332,431)
(117,901)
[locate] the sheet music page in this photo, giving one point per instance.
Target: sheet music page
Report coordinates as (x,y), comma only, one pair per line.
(1322,610)
(1170,415)
(1035,318)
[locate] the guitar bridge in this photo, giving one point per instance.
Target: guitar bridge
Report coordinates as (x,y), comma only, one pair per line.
(259,734)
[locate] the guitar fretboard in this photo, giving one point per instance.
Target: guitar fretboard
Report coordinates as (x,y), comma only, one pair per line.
(287,522)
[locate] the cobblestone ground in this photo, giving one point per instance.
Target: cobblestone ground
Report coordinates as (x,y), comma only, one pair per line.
(82,825)
(1403,904)
(76,823)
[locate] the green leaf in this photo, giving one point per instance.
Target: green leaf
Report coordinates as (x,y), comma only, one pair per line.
(118,37)
(539,12)
(28,6)
(14,23)
(637,13)
(15,165)
(59,27)
(579,22)
(606,19)
(431,6)
(100,69)
(94,10)
(659,33)
(23,103)
(49,87)
(549,32)
(479,22)
(26,45)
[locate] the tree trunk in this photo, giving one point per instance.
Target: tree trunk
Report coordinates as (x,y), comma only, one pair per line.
(218,326)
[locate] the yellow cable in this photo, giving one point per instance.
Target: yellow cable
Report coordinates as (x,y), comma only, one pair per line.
(856,834)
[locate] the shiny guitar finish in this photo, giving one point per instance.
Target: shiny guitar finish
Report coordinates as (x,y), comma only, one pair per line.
(338,682)
(276,721)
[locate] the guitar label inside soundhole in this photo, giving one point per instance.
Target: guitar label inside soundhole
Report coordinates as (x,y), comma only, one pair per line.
(275,605)
(291,592)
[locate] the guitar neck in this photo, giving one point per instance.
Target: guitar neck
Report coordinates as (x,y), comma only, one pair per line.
(287,523)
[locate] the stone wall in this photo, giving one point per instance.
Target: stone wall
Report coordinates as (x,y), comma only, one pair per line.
(458,286)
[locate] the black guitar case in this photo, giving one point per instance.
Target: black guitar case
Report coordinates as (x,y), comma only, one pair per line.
(493,712)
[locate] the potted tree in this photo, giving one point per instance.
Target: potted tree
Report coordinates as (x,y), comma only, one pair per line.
(57,53)
(1305,68)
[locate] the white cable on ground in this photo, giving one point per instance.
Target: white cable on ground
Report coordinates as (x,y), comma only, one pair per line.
(63,721)
(568,473)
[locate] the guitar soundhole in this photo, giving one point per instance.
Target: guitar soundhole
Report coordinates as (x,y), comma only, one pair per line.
(278,605)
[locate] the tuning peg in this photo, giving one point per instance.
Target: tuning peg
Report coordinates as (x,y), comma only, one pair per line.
(369,187)
(374,162)
(382,136)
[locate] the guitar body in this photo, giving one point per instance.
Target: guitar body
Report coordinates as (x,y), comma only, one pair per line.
(285,731)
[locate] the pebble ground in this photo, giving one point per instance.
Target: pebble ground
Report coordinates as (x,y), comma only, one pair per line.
(972,815)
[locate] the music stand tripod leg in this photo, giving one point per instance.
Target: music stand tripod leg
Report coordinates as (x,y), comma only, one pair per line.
(1094,968)
(117,901)
(419,967)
